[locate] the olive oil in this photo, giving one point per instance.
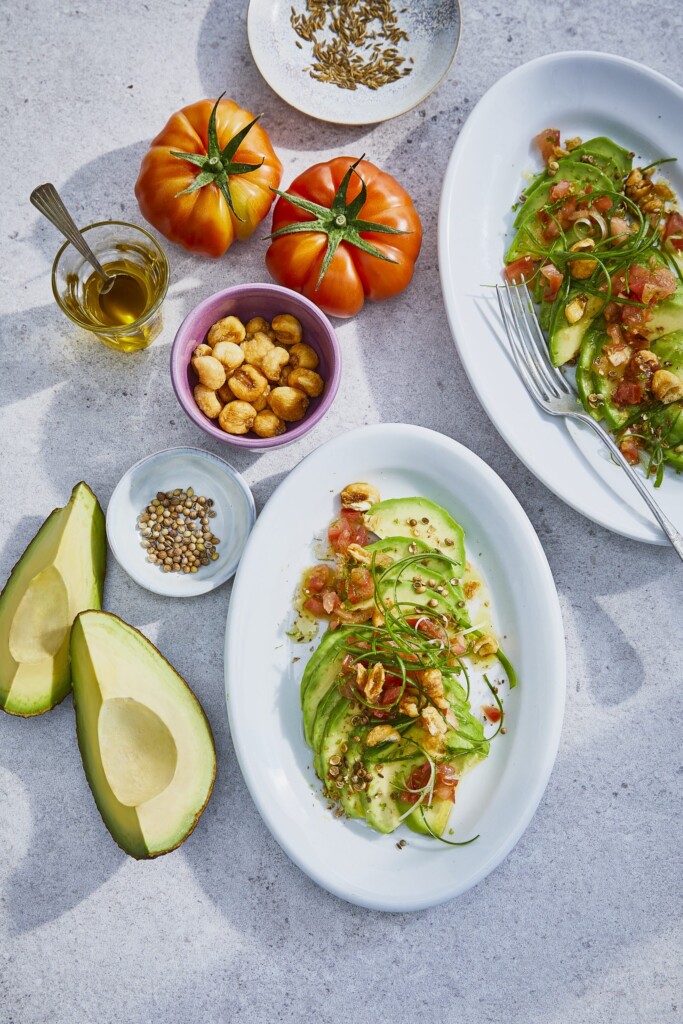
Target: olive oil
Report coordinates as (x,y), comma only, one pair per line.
(131,301)
(119,304)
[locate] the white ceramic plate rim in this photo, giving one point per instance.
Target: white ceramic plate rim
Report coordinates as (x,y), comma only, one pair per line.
(199,586)
(301,851)
(613,514)
(262,61)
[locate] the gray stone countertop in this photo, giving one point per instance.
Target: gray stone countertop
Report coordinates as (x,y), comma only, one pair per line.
(582,923)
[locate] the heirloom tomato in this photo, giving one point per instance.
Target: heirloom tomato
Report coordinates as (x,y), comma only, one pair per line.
(208,177)
(345,231)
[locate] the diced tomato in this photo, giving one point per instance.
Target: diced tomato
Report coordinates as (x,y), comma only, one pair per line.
(618,229)
(314,606)
(551,229)
(559,190)
(642,370)
(521,270)
(426,625)
(348,529)
(418,779)
(633,317)
(459,645)
(602,204)
(554,278)
(637,278)
(673,231)
(319,577)
(360,585)
(348,617)
(492,712)
(629,393)
(546,141)
(446,781)
(630,450)
(662,285)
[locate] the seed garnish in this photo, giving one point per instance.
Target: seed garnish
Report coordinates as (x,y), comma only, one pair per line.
(351,48)
(175,531)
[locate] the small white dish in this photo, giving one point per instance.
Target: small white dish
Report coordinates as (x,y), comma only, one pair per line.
(585,94)
(433,28)
(264,666)
(164,471)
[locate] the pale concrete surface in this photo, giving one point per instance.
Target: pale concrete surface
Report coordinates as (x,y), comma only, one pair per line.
(582,923)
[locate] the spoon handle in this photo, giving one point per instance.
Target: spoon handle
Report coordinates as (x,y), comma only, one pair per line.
(46,199)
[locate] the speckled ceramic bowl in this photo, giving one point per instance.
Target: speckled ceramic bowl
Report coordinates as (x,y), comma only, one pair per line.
(246,301)
(284,59)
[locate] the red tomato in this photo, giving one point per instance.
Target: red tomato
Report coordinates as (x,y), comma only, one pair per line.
(630,449)
(492,712)
(354,274)
(319,577)
(559,190)
(546,141)
(360,585)
(662,285)
(521,270)
(554,278)
(673,231)
(348,529)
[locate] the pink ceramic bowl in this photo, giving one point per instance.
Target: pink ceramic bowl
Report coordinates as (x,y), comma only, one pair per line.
(247,301)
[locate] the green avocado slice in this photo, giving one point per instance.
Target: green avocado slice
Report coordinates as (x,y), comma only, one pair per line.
(613,160)
(147,747)
(419,519)
(60,574)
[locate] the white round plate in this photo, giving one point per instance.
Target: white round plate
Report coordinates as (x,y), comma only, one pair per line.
(585,94)
(264,667)
(433,28)
(164,471)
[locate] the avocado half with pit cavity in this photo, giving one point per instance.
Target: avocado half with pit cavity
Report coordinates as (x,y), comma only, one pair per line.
(146,744)
(60,574)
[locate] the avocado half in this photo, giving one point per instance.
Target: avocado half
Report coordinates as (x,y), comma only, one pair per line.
(147,747)
(60,574)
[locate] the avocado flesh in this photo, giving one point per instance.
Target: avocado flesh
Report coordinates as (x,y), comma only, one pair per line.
(612,160)
(147,747)
(565,338)
(392,519)
(60,574)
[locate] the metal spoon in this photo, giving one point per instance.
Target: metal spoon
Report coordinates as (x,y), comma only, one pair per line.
(46,199)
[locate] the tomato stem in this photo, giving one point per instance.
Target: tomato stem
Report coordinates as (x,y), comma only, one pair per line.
(217,166)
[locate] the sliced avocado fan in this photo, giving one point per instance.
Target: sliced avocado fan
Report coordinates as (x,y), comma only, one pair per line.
(146,744)
(60,574)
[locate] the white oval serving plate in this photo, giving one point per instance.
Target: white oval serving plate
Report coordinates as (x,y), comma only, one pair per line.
(164,471)
(583,94)
(433,28)
(264,667)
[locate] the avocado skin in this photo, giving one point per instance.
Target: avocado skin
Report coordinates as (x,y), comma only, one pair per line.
(142,854)
(99,557)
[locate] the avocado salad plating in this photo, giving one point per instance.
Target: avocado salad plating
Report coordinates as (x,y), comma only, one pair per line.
(388,695)
(600,244)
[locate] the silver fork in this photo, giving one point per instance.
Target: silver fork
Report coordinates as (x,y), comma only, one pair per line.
(552,393)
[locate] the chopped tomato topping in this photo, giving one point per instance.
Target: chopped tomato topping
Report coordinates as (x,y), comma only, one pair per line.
(444,784)
(426,625)
(554,279)
(601,203)
(629,393)
(560,190)
(630,450)
(611,312)
(521,270)
(546,141)
(418,779)
(360,585)
(673,231)
(446,781)
(319,577)
(331,601)
(341,615)
(619,229)
(314,606)
(634,316)
(492,712)
(662,285)
(348,529)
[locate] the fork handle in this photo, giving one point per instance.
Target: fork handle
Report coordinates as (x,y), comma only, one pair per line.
(645,492)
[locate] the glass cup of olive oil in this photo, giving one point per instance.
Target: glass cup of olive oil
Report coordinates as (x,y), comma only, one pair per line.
(126,315)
